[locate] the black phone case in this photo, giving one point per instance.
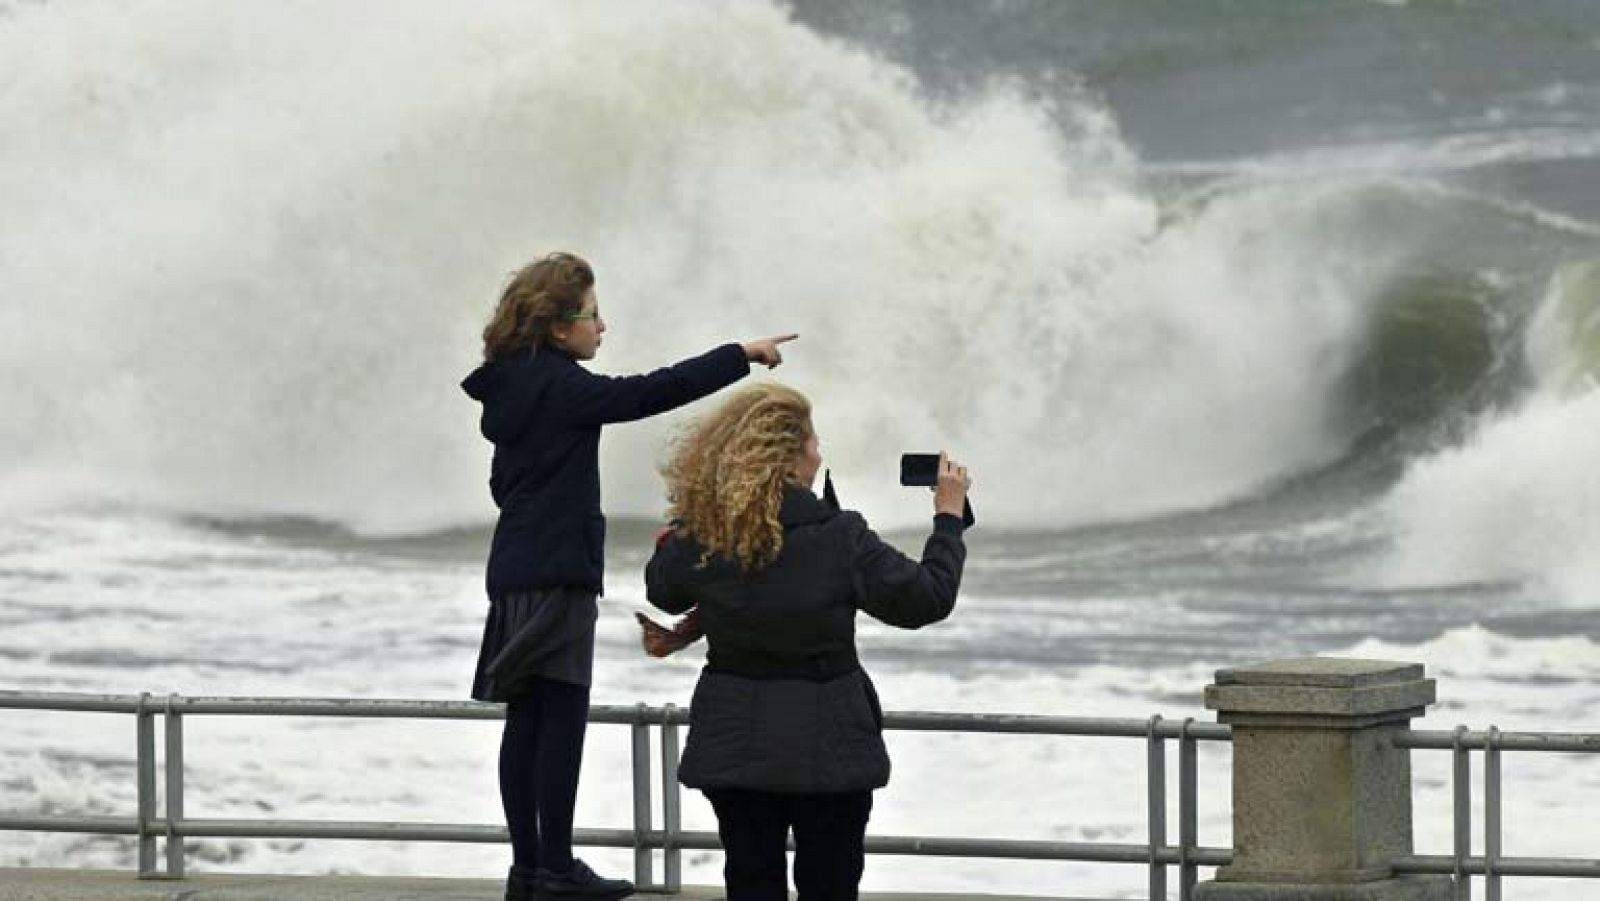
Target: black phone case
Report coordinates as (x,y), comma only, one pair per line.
(922,471)
(919,470)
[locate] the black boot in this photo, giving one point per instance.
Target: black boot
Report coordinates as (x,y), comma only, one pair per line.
(579,884)
(522,885)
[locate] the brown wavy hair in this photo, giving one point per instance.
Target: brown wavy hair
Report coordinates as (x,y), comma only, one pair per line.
(726,476)
(542,293)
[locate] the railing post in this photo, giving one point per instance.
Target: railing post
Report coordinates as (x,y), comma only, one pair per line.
(642,876)
(1461,805)
(1491,815)
(1188,811)
(174,725)
(144,762)
(1156,801)
(672,854)
(1321,793)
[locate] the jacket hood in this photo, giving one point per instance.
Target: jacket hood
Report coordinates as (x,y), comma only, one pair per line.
(800,507)
(511,391)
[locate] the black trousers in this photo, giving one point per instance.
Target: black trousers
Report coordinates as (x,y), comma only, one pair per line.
(829,837)
(541,752)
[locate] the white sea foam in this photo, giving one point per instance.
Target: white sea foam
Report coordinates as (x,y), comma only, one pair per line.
(127,603)
(246,260)
(1518,672)
(1520,500)
(1481,145)
(244,274)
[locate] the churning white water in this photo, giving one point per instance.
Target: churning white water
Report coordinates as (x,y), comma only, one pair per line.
(248,250)
(1521,498)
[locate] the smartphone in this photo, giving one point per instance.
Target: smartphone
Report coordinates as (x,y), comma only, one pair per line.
(919,469)
(923,469)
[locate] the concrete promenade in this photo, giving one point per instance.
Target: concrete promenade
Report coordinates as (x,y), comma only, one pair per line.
(28,884)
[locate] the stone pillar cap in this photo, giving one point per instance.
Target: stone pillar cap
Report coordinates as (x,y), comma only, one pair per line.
(1332,691)
(1321,672)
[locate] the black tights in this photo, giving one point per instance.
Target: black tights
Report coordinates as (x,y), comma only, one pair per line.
(541,752)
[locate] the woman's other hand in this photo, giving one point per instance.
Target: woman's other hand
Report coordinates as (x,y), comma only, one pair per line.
(765,351)
(659,641)
(950,495)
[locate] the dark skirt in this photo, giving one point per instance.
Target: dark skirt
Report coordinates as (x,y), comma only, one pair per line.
(543,634)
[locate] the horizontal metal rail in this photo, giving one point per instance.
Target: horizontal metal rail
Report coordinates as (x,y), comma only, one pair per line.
(1555,742)
(930,846)
(68,823)
(1509,866)
(644,838)
(991,723)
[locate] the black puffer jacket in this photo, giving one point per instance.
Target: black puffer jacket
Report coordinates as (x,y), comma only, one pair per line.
(783,704)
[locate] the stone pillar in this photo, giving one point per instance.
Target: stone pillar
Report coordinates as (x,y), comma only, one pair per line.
(1321,797)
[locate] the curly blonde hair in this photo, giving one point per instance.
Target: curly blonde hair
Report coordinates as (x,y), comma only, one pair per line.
(546,291)
(726,476)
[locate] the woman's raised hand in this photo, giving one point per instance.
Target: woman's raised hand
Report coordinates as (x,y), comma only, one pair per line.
(766,351)
(950,495)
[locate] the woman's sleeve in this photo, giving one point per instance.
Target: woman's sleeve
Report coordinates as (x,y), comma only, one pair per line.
(664,576)
(590,399)
(903,592)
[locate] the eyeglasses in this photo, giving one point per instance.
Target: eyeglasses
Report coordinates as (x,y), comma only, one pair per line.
(580,317)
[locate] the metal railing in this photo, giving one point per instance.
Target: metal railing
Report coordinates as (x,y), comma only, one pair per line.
(1461,863)
(644,837)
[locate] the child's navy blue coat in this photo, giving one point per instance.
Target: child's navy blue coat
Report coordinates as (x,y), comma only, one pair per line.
(543,412)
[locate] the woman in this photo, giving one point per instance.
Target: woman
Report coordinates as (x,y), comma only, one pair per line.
(543,412)
(785,727)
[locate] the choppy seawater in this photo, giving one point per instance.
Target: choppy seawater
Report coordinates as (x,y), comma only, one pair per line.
(1268,329)
(189,608)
